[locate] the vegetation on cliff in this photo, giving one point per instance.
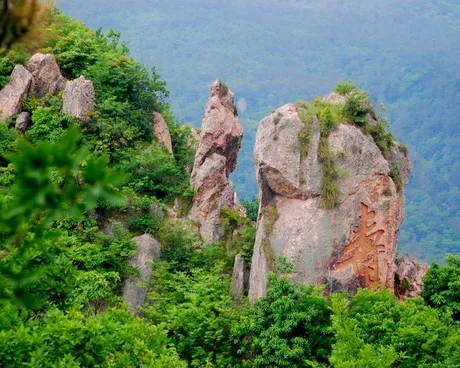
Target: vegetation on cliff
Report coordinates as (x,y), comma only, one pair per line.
(61,276)
(371,43)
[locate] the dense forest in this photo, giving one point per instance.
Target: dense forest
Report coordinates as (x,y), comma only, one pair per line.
(273,52)
(65,181)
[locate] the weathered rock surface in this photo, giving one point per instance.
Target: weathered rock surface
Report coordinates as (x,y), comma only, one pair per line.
(23,121)
(135,290)
(79,99)
(161,131)
(238,278)
(15,92)
(409,277)
(351,245)
(47,75)
(215,160)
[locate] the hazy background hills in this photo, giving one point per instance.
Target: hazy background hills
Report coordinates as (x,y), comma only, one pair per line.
(270,52)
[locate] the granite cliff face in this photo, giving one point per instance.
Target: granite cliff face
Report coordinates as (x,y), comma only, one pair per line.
(215,160)
(349,245)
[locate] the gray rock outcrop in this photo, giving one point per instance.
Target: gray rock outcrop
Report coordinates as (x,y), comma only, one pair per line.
(17,90)
(135,290)
(23,121)
(409,277)
(215,160)
(238,278)
(161,132)
(348,246)
(47,75)
(79,99)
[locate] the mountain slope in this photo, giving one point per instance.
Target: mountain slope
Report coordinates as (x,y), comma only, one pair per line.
(271,52)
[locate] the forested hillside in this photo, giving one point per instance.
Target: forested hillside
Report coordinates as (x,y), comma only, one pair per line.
(272,52)
(75,190)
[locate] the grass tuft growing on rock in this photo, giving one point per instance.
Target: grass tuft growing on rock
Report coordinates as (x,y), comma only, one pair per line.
(356,110)
(329,116)
(395,175)
(330,189)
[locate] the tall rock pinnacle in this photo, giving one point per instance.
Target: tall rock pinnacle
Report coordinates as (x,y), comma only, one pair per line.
(215,160)
(349,244)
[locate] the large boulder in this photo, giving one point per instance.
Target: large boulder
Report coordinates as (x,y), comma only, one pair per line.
(47,75)
(79,99)
(23,121)
(135,290)
(17,90)
(161,132)
(409,277)
(348,246)
(215,160)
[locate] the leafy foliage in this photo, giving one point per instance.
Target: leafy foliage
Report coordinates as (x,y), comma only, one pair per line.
(111,339)
(442,286)
(373,329)
(251,207)
(289,327)
(51,182)
(417,77)
(198,312)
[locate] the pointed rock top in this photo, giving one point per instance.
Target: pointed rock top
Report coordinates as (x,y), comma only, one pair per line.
(219,90)
(215,159)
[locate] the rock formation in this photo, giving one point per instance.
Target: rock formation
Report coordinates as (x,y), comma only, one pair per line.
(12,95)
(47,75)
(215,160)
(79,99)
(238,278)
(161,131)
(22,122)
(409,277)
(135,290)
(350,245)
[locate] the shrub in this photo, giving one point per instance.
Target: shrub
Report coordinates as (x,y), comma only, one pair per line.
(395,175)
(252,208)
(290,327)
(442,286)
(7,141)
(374,329)
(153,171)
(30,104)
(403,148)
(345,88)
(198,313)
(114,338)
(357,107)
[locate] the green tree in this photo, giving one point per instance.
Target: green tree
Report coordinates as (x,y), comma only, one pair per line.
(442,286)
(290,327)
(52,180)
(111,339)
